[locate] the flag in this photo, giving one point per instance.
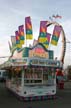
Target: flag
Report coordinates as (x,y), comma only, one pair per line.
(21,34)
(45,40)
(43,28)
(13,40)
(17,37)
(56,34)
(42,32)
(18,44)
(44,37)
(28,28)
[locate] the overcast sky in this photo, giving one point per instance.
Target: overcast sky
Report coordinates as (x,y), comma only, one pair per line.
(13,13)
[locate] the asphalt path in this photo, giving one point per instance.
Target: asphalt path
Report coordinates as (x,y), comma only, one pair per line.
(63,99)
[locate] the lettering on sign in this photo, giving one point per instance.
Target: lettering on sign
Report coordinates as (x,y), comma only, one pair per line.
(19,61)
(44,62)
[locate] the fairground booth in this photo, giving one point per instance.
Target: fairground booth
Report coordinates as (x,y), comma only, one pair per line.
(34,73)
(33,69)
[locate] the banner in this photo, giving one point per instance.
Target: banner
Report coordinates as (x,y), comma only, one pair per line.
(17,37)
(45,40)
(43,28)
(42,32)
(44,37)
(18,44)
(13,40)
(21,34)
(28,28)
(56,34)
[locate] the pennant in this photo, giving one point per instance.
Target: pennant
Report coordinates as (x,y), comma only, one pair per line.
(21,34)
(28,28)
(56,34)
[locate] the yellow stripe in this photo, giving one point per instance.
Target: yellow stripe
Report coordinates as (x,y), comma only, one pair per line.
(22,42)
(42,40)
(19,45)
(53,42)
(29,36)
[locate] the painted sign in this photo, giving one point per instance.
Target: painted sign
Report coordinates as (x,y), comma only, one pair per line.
(39,51)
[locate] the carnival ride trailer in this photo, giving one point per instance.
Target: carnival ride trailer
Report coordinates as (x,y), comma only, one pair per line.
(33,78)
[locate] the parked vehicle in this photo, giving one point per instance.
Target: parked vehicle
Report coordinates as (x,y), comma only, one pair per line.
(3,75)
